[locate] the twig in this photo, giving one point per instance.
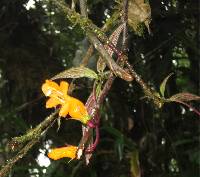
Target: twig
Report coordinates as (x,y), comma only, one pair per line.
(33,133)
(147,91)
(87,56)
(83,7)
(125,30)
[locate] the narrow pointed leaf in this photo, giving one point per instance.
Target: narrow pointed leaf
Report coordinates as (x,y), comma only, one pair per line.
(163,84)
(119,144)
(184,97)
(101,64)
(76,73)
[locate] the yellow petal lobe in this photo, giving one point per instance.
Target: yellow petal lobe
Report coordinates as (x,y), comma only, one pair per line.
(49,86)
(52,102)
(58,153)
(77,110)
(64,87)
(64,110)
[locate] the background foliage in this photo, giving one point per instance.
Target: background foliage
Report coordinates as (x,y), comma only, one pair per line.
(38,42)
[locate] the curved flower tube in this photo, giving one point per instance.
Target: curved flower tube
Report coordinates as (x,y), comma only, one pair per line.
(69,105)
(62,152)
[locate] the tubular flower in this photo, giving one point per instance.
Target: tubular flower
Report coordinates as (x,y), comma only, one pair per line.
(69,105)
(68,151)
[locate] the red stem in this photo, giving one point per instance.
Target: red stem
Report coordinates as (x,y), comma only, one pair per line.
(189,106)
(94,145)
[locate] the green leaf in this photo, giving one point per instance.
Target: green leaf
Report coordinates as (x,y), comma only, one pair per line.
(77,72)
(163,84)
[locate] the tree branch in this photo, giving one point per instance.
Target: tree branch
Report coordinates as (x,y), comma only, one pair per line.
(91,31)
(32,137)
(17,142)
(96,35)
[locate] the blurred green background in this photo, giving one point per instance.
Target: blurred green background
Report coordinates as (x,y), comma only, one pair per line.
(37,42)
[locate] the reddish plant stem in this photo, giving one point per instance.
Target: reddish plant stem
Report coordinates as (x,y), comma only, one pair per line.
(93,104)
(189,106)
(94,145)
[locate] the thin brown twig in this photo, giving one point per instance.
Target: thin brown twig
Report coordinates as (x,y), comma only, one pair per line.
(125,30)
(87,56)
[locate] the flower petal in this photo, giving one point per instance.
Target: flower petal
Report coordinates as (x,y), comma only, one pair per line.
(64,110)
(58,153)
(49,86)
(77,110)
(64,87)
(52,102)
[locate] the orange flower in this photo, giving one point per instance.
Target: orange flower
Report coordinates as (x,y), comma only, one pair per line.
(69,105)
(68,151)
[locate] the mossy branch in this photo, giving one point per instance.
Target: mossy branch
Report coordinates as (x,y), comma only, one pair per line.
(17,142)
(94,34)
(31,138)
(97,36)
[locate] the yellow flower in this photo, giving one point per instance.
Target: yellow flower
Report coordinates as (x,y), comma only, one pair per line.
(69,105)
(68,151)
